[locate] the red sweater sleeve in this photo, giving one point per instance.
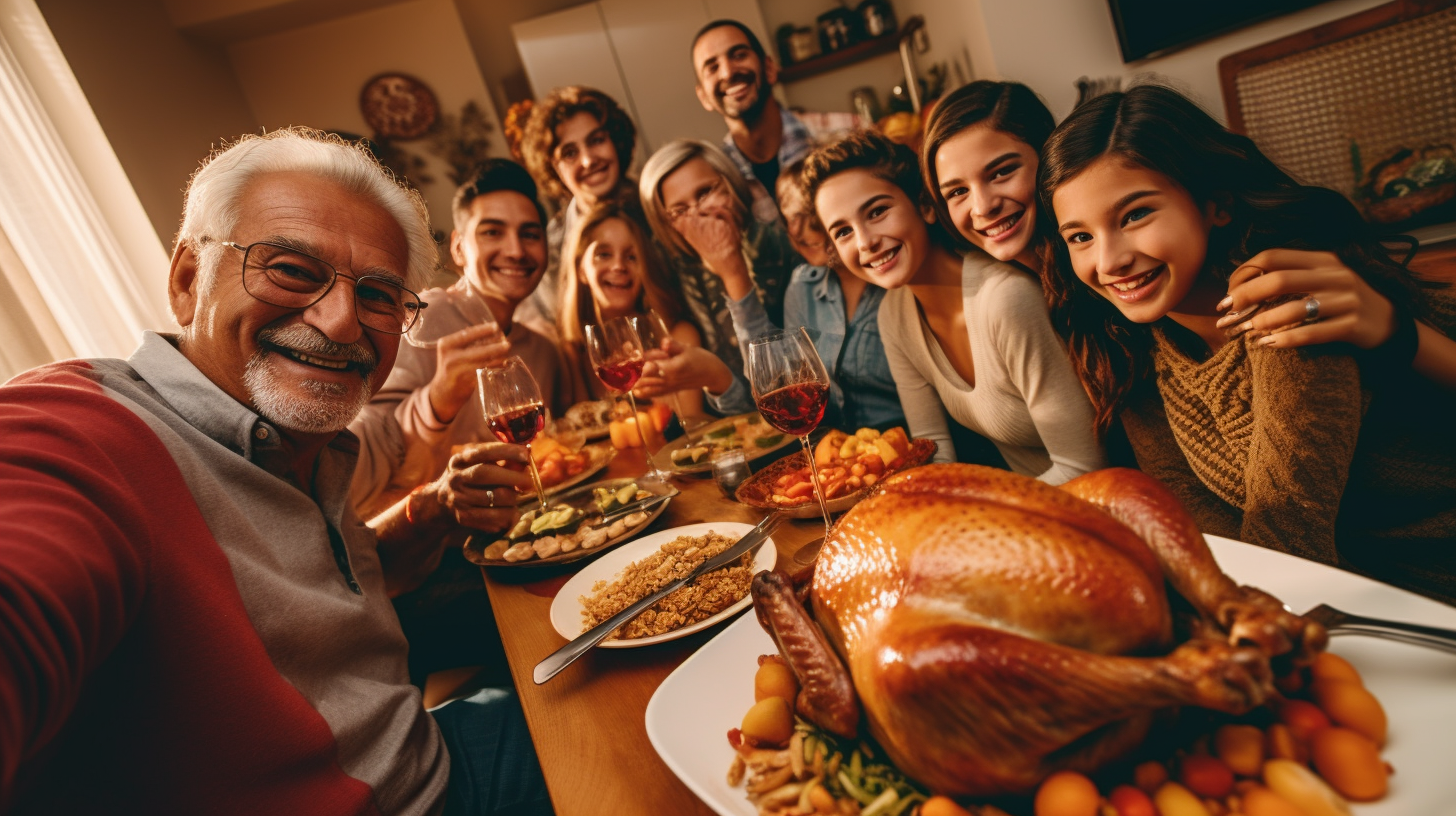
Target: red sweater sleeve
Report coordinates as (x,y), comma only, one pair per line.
(73,550)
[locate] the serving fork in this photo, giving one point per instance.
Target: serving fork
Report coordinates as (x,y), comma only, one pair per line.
(1339,622)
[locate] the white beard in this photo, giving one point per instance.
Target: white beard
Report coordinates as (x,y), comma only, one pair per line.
(334,405)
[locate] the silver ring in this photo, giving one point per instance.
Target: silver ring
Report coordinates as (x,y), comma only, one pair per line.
(1311,309)
(490,494)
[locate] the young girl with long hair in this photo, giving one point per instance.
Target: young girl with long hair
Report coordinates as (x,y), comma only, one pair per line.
(967,336)
(1310,451)
(611,270)
(980,158)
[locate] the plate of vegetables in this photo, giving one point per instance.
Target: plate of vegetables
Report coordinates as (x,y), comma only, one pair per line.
(576,524)
(745,432)
(849,465)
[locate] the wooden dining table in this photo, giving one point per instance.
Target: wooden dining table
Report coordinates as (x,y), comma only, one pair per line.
(588,723)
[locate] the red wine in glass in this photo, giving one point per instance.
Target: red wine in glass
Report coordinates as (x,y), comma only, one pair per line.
(511,402)
(795,409)
(621,375)
(616,354)
(791,388)
(520,425)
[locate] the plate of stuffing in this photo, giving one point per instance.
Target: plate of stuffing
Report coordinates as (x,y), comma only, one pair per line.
(630,572)
(576,524)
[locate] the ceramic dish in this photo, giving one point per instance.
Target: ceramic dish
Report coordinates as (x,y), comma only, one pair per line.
(695,706)
(703,435)
(757,490)
(567,607)
(585,415)
(581,498)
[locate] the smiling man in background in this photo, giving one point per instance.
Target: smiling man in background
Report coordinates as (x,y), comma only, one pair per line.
(428,405)
(734,78)
(192,617)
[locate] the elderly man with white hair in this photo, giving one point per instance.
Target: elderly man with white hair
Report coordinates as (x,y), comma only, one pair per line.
(192,618)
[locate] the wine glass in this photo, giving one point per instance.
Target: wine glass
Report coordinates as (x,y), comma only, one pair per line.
(513,409)
(791,389)
(654,331)
(467,300)
(615,350)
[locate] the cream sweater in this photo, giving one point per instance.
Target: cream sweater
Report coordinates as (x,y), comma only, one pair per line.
(1026,398)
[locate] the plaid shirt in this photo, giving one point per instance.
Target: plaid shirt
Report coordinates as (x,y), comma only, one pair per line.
(796,144)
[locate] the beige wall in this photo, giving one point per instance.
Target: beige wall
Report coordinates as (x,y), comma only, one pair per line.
(163,100)
(312,75)
(1048,44)
(488,28)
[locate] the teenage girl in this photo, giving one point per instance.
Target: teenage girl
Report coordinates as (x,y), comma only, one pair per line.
(1311,451)
(967,337)
(980,159)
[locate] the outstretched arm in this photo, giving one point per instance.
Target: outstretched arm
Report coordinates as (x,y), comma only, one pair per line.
(75,542)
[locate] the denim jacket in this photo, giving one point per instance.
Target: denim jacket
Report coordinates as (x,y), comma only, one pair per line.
(862,392)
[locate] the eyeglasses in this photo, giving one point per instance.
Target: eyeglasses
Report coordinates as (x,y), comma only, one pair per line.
(281,276)
(704,194)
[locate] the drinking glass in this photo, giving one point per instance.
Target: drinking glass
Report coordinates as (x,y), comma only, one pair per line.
(615,351)
(791,389)
(730,469)
(513,409)
(654,330)
(427,331)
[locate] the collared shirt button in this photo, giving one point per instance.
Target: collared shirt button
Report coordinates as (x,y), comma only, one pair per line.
(261,432)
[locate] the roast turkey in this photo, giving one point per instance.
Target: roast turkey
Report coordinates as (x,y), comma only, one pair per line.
(990,629)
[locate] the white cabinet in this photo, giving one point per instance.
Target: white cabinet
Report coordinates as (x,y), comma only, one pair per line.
(638,52)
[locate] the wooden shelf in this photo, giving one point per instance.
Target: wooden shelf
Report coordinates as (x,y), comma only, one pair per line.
(849,55)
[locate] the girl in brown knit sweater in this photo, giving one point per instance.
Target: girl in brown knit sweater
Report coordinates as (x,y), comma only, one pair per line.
(1320,452)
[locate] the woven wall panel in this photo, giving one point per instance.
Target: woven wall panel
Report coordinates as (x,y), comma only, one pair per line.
(1391,88)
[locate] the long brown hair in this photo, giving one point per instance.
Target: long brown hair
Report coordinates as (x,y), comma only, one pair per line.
(872,151)
(1008,107)
(1157,128)
(578,309)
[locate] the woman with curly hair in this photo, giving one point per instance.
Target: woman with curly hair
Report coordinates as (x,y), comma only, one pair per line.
(577,144)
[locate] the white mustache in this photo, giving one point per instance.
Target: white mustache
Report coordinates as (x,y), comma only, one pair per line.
(307,339)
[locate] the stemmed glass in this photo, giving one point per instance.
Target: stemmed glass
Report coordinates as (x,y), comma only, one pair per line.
(654,331)
(513,409)
(428,331)
(791,389)
(615,350)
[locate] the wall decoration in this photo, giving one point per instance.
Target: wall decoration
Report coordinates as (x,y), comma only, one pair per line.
(398,106)
(462,141)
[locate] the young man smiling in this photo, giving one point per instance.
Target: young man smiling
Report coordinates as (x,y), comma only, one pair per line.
(429,405)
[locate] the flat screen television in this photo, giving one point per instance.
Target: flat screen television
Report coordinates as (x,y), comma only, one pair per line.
(1147,28)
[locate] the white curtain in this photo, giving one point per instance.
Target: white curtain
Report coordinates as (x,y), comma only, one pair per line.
(75,228)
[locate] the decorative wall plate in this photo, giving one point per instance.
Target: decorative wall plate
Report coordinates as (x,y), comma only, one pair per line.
(398,106)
